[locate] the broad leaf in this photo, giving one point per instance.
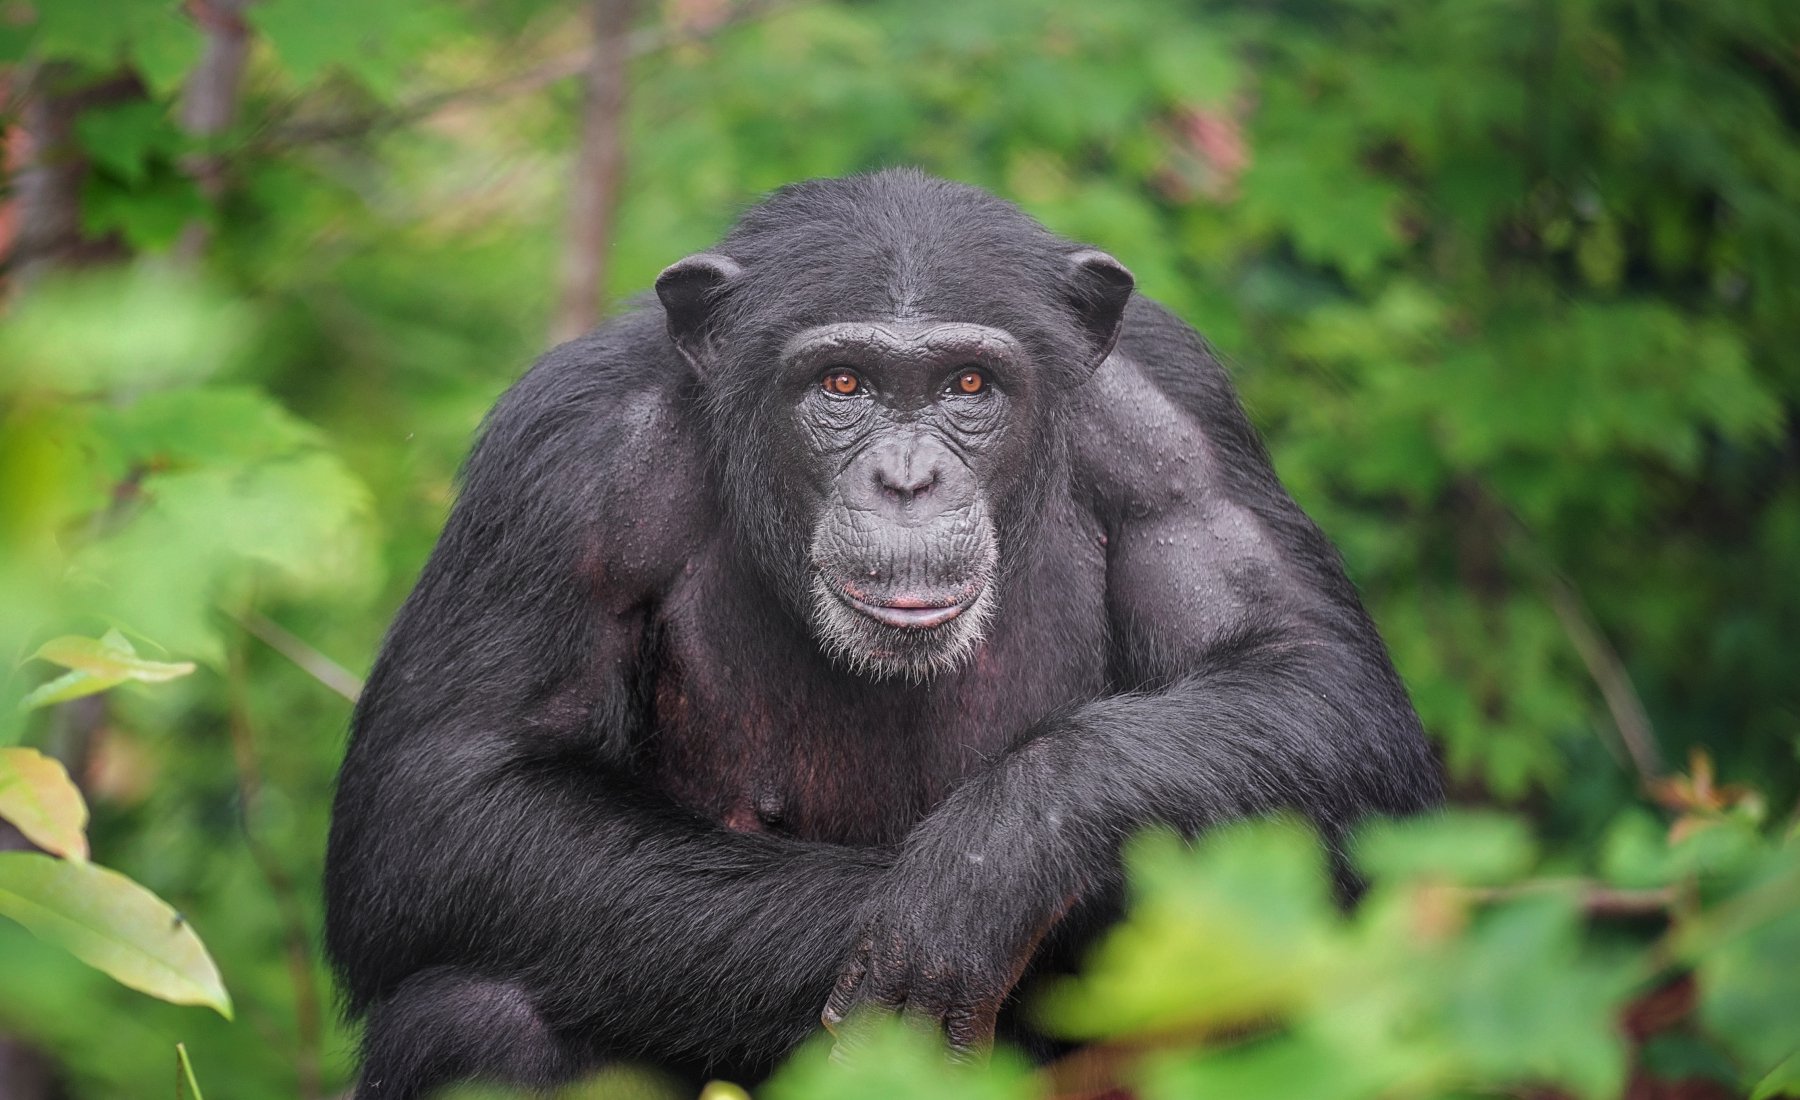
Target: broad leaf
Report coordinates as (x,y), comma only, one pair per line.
(38,797)
(96,664)
(112,924)
(1783,1080)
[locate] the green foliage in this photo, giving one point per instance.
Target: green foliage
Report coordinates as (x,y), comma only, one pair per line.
(96,665)
(1235,953)
(893,1058)
(38,798)
(146,486)
(1235,975)
(1511,289)
(112,924)
(100,916)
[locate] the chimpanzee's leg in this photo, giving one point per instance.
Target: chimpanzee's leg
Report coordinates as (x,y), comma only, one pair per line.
(446,1025)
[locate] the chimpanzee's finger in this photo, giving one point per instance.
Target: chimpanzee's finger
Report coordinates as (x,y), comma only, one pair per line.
(969,1028)
(843,994)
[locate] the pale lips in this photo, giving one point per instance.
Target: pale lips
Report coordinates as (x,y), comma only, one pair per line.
(909,612)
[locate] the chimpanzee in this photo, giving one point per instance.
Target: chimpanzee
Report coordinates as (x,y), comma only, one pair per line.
(814,641)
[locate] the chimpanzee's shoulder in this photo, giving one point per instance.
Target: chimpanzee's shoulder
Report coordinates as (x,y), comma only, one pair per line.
(1160,425)
(600,438)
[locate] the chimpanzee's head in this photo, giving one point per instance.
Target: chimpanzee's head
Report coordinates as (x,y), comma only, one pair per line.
(883,361)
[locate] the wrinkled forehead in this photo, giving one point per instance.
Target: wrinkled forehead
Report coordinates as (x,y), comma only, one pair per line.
(892,312)
(910,342)
(817,272)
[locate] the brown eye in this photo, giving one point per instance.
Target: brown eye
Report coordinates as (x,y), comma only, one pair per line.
(971,381)
(841,382)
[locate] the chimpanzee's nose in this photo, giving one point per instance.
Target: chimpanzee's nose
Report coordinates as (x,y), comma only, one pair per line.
(906,470)
(907,482)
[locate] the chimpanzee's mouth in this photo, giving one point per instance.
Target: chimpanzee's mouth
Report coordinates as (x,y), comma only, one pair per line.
(903,607)
(909,612)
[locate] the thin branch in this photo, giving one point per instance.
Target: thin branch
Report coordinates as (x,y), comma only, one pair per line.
(536,78)
(1608,672)
(543,75)
(1598,900)
(309,660)
(599,171)
(1604,665)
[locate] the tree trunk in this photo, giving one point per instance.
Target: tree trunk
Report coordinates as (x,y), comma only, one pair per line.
(599,169)
(50,169)
(209,103)
(47,180)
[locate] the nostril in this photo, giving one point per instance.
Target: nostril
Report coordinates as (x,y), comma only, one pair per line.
(905,487)
(906,490)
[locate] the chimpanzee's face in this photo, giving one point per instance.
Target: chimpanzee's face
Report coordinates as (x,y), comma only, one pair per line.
(880,361)
(906,426)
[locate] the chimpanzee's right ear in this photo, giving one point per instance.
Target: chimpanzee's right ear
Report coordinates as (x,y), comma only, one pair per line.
(691,291)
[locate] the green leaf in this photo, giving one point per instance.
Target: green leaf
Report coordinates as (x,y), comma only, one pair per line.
(1635,851)
(1474,849)
(38,797)
(204,532)
(93,34)
(894,1058)
(112,924)
(142,327)
(1283,1066)
(1192,68)
(122,139)
(1238,928)
(213,425)
(375,44)
(1783,1080)
(151,216)
(157,36)
(164,51)
(95,665)
(1749,984)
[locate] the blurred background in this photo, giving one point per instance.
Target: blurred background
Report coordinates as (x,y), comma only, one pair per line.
(1512,287)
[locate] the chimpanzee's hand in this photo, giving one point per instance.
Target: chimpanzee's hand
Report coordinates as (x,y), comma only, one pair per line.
(946,936)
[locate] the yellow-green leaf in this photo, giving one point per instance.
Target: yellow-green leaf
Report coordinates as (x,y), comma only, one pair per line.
(38,797)
(96,664)
(112,924)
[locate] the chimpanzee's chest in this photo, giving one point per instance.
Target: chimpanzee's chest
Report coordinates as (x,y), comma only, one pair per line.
(753,727)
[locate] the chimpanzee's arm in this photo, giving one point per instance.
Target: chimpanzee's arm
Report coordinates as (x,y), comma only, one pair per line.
(502,899)
(1248,679)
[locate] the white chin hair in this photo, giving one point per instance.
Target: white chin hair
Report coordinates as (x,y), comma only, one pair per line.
(869,648)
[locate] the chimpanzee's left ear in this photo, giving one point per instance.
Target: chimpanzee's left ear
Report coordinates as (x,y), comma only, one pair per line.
(1098,287)
(691,291)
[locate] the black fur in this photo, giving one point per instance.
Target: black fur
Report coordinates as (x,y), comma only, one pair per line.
(608,795)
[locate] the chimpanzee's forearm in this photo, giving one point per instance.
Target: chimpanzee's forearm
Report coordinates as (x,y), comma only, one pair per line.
(621,917)
(1266,723)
